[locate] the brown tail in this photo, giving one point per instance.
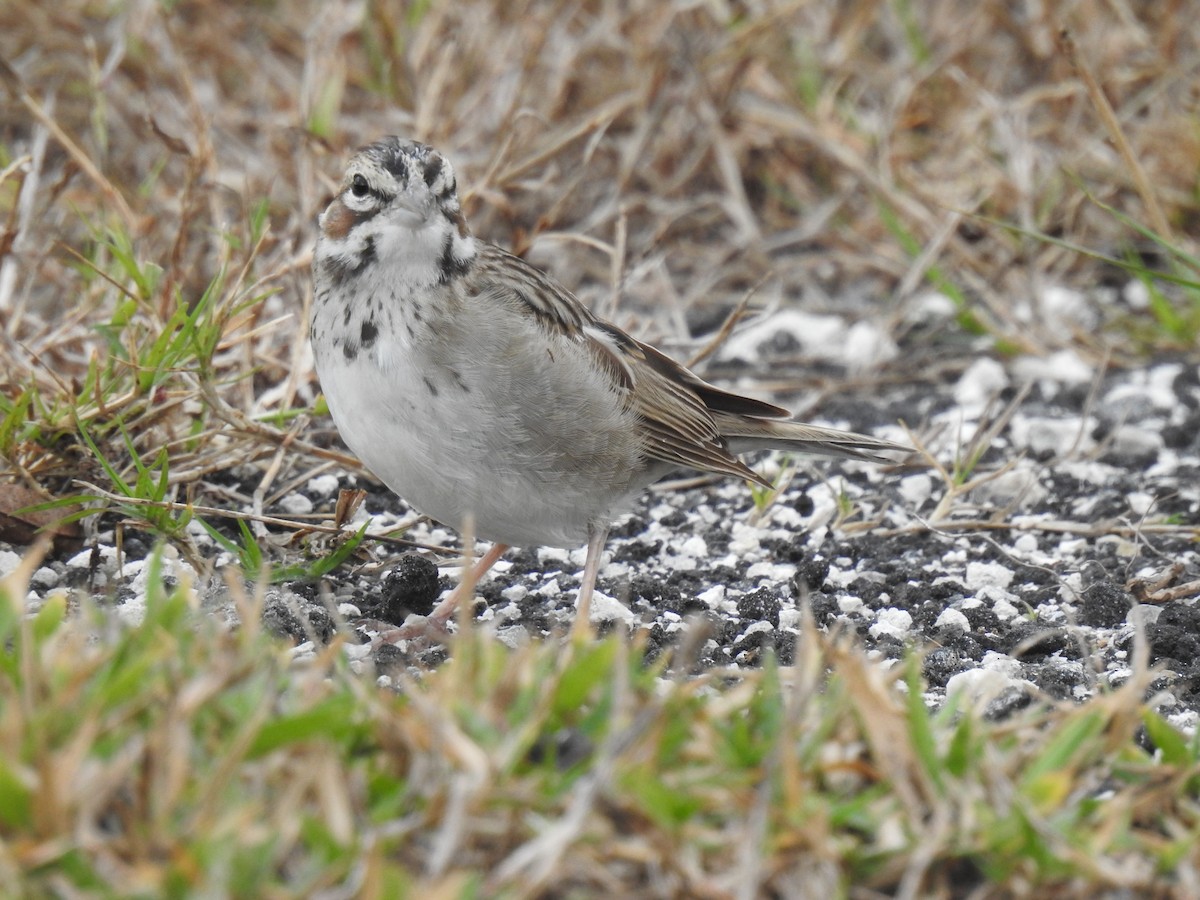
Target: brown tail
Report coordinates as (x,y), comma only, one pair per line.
(745,433)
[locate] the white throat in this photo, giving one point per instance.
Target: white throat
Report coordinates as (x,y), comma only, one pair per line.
(399,249)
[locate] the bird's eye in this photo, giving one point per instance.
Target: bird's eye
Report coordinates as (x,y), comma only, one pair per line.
(359,186)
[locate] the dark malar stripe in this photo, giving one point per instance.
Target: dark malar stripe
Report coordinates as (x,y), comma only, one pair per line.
(341,271)
(450,266)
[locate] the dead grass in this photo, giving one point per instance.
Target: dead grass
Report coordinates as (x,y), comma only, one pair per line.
(177,757)
(658,157)
(161,166)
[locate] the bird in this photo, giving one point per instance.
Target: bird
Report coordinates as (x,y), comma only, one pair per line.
(478,388)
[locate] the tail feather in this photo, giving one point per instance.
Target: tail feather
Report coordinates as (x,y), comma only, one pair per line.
(745,434)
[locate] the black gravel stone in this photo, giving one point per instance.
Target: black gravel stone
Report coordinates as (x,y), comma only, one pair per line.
(291,617)
(410,587)
(1182,616)
(1057,681)
(675,519)
(761,606)
(640,551)
(1029,640)
(868,591)
(662,596)
(941,664)
(811,574)
(1009,702)
(982,619)
(1175,637)
(1104,604)
(824,608)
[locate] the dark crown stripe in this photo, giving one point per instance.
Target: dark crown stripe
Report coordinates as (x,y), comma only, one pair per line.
(433,168)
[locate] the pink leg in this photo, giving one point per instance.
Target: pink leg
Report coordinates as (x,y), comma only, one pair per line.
(597,536)
(434,625)
(441,615)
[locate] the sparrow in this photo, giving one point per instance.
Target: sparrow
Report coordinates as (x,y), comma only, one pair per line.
(477,387)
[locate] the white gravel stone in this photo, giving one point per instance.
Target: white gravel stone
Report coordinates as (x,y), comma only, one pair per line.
(712,597)
(1004,609)
(305,652)
(950,619)
(892,621)
(754,628)
(790,618)
(1066,367)
(1018,487)
(8,562)
(931,306)
(1136,294)
(1143,614)
(607,609)
(983,380)
(80,560)
(785,517)
(1071,584)
(44,578)
(1092,472)
(296,504)
(680,563)
(988,574)
(553,554)
(1065,307)
(509,612)
(849,605)
(745,540)
(196,531)
(991,595)
(1026,543)
(954,558)
(516,593)
(1185,722)
(1051,614)
(825,505)
(916,489)
(322,485)
(1135,440)
(867,346)
(762,569)
(980,686)
(356,651)
(839,576)
(1139,502)
(820,336)
(513,636)
(1150,388)
(1056,436)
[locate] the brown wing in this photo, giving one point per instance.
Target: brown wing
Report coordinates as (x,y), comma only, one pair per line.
(674,406)
(535,291)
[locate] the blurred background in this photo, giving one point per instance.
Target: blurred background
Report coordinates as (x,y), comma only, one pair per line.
(966,178)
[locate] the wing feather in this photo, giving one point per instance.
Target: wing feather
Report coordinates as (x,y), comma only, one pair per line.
(686,421)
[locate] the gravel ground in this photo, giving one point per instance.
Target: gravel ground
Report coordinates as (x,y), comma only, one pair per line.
(1077,534)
